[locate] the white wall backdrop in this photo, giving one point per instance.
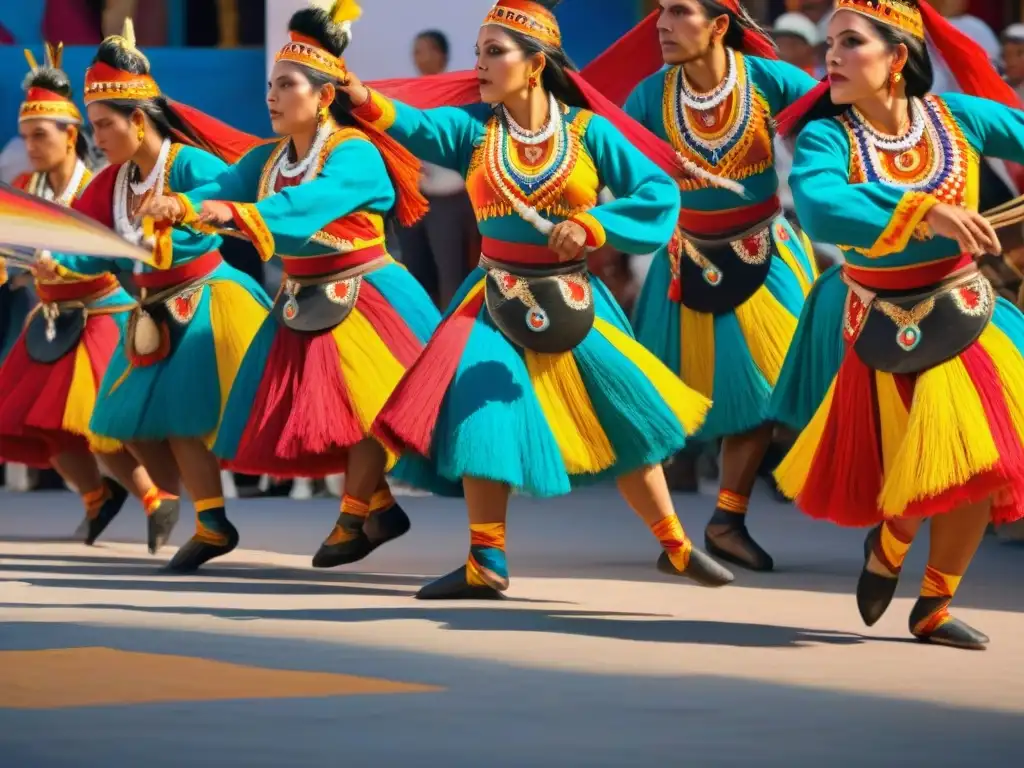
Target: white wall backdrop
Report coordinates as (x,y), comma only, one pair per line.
(382,45)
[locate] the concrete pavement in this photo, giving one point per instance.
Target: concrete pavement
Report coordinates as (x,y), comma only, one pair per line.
(595,659)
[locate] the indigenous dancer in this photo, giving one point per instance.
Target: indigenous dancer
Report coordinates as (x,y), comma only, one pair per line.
(534,382)
(348,320)
(917,367)
(165,388)
(721,301)
(48,384)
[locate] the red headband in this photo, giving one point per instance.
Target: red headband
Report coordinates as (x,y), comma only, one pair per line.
(41,103)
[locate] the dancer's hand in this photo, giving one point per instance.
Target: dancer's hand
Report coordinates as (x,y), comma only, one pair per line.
(970,229)
(568,240)
(161,208)
(215,212)
(353,87)
(45,269)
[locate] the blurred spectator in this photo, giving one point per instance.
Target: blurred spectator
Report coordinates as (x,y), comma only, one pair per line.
(1013,57)
(14,160)
(440,250)
(799,43)
(430,52)
(974,28)
(977,29)
(818,11)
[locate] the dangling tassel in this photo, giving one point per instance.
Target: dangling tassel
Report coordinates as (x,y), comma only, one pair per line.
(713,180)
(675,254)
(404,169)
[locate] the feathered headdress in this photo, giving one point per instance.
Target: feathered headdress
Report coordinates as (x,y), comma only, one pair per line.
(105,83)
(41,102)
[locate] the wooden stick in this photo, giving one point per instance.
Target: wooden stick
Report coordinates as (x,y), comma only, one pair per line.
(1017,201)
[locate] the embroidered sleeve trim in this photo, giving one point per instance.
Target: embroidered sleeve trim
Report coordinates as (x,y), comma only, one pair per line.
(163,247)
(190,217)
(172,156)
(249,220)
(189,214)
(378,110)
(596,236)
(903,225)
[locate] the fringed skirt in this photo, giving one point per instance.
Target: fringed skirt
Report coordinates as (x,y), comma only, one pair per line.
(476,405)
(302,400)
(45,407)
(882,445)
(184,394)
(733,358)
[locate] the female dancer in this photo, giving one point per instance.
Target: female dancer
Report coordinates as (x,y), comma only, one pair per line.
(916,365)
(348,320)
(165,388)
(721,301)
(48,383)
(534,382)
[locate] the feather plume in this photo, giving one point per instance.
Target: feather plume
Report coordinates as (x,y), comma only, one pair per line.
(54,54)
(345,11)
(128,35)
(32,63)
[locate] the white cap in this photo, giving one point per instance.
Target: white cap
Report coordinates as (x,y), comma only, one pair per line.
(1014,33)
(798,25)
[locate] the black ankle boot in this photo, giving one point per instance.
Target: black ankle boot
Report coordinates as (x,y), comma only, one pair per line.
(454,586)
(701,569)
(874,592)
(361,536)
(160,524)
(930,622)
(489,563)
(95,526)
(211,540)
(730,528)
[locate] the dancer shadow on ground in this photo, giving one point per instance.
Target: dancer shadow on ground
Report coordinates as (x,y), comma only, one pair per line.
(472,618)
(100,565)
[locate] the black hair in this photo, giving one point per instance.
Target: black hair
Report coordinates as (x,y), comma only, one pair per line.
(113,53)
(316,24)
(554,78)
(56,80)
(918,74)
(438,38)
(739,23)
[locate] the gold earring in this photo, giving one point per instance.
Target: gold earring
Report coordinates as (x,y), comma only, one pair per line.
(533,82)
(141,133)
